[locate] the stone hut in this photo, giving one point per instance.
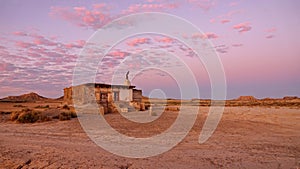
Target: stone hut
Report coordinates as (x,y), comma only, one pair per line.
(105,95)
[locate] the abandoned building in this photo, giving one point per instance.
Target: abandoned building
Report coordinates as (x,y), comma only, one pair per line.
(108,96)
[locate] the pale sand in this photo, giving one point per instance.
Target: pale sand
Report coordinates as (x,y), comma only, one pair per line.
(246,137)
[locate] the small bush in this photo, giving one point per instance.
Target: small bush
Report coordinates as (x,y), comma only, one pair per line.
(5,112)
(55,117)
(14,115)
(172,108)
(64,116)
(19,105)
(28,117)
(66,107)
(42,107)
(43,118)
(73,115)
(67,115)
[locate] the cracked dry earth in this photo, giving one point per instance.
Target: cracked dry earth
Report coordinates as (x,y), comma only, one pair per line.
(246,137)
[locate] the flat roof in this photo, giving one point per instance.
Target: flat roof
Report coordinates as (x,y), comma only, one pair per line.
(103,85)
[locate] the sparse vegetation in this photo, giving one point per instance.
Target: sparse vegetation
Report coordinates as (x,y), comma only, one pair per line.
(42,107)
(67,115)
(66,107)
(5,112)
(14,115)
(31,116)
(173,108)
(28,116)
(19,105)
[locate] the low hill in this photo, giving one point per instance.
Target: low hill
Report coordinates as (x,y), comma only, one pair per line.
(290,98)
(247,98)
(29,97)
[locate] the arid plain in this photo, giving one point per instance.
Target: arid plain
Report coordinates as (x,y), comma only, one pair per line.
(251,134)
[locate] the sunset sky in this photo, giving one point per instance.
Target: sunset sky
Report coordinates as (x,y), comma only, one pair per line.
(257,42)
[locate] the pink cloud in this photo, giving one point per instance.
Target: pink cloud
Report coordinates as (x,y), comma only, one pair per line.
(270,36)
(40,40)
(207,35)
(3,66)
(81,42)
(271,30)
(81,16)
(2,47)
(233,4)
(100,6)
(242,27)
(222,48)
(150,7)
(237,45)
(72,45)
(119,54)
(232,13)
(19,33)
(203,4)
(39,50)
(225,18)
(164,40)
(223,21)
(24,44)
(210,35)
(33,55)
(77,44)
(212,20)
(138,41)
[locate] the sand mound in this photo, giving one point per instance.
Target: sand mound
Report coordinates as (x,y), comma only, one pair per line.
(30,97)
(247,98)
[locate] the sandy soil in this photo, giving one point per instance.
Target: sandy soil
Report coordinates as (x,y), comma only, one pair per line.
(246,137)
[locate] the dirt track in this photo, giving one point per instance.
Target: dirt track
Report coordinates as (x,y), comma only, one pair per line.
(246,137)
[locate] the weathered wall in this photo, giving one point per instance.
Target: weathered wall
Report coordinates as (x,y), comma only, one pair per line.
(124,94)
(137,95)
(87,93)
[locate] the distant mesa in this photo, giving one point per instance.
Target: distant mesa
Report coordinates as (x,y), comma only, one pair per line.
(290,97)
(268,99)
(247,98)
(29,97)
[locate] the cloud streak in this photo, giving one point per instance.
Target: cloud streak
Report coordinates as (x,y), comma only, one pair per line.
(207,35)
(81,16)
(242,27)
(138,41)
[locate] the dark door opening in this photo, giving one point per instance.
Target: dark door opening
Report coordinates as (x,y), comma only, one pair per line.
(116,96)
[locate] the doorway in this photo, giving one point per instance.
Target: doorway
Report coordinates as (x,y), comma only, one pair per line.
(116,96)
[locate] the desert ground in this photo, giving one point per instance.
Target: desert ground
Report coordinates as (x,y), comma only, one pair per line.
(246,137)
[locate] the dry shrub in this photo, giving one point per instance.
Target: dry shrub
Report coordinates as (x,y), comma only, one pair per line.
(67,115)
(172,108)
(42,107)
(5,112)
(14,115)
(66,107)
(29,116)
(19,105)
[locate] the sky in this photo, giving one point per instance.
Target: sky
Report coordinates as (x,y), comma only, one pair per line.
(256,41)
